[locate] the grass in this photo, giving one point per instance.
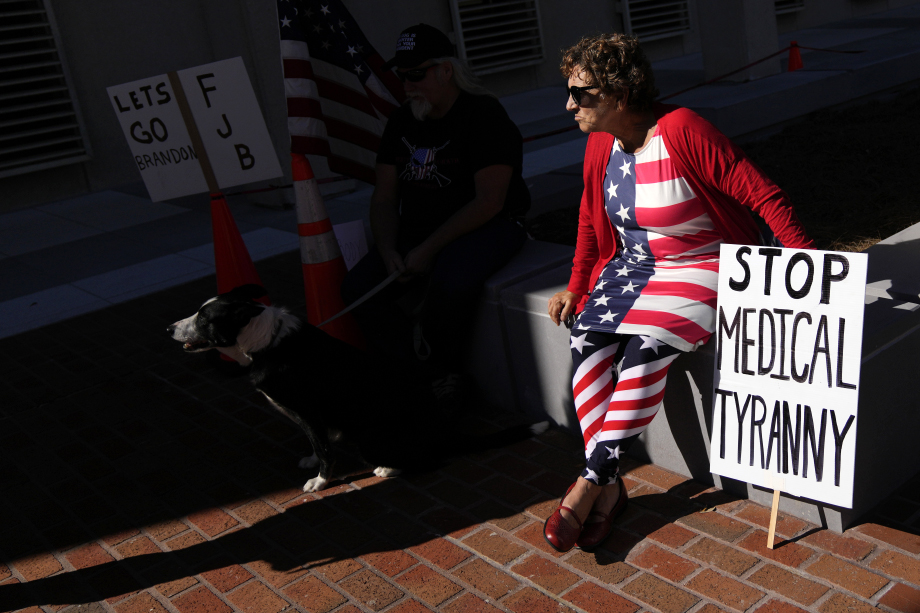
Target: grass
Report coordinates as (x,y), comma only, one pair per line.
(851,173)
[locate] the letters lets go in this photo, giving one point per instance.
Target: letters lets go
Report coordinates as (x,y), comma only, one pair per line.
(788,347)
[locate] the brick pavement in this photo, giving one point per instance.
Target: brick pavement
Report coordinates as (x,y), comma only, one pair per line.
(136,478)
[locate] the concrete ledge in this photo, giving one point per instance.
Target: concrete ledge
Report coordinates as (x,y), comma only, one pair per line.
(521,360)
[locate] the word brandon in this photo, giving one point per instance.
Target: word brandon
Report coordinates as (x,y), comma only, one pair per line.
(791,440)
(786,325)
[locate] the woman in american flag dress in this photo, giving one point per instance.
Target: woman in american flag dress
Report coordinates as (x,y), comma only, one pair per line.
(663,189)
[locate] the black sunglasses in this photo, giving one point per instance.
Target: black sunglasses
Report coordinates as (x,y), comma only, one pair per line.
(576,91)
(415,75)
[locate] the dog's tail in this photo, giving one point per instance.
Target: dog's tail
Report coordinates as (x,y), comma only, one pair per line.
(508,436)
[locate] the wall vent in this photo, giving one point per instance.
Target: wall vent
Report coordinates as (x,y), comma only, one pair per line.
(497,35)
(653,19)
(789,6)
(40,125)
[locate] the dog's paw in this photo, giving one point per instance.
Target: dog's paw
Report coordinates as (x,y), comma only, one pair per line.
(383,471)
(315,484)
(309,462)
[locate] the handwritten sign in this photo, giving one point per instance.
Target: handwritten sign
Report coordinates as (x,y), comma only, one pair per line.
(786,385)
(222,110)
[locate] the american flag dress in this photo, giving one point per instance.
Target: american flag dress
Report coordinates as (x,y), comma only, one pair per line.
(655,299)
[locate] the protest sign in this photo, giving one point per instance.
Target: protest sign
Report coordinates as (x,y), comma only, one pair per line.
(786,384)
(159,140)
(195,130)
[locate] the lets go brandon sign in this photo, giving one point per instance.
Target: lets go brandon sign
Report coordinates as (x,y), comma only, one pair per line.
(221,107)
(786,385)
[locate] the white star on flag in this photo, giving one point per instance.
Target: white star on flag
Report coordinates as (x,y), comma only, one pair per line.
(623,272)
(625,168)
(614,453)
(608,317)
(638,248)
(612,190)
(641,257)
(358,69)
(579,342)
(325,10)
(351,51)
(650,343)
(602,300)
(285,23)
(600,285)
(592,476)
(583,327)
(621,230)
(623,213)
(629,287)
(341,24)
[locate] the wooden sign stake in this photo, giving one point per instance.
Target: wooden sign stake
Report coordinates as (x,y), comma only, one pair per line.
(773,513)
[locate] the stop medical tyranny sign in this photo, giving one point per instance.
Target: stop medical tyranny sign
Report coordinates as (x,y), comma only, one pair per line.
(223,110)
(786,385)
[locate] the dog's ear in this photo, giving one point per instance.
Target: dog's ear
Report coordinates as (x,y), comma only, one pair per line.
(250,291)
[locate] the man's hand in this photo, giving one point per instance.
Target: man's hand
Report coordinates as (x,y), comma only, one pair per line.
(561,305)
(393,261)
(417,262)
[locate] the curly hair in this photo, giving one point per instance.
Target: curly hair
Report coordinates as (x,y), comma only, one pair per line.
(614,63)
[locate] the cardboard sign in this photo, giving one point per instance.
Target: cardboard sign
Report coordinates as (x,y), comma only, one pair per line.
(786,385)
(352,241)
(223,110)
(232,129)
(162,147)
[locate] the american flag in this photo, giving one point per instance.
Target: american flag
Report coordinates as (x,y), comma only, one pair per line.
(338,94)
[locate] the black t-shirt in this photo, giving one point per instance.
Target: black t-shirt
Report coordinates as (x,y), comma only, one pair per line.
(436,159)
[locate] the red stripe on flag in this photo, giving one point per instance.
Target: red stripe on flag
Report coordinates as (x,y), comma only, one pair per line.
(297,69)
(690,291)
(643,381)
(682,244)
(592,375)
(344,95)
(686,329)
(304,107)
(656,172)
(665,216)
(630,424)
(602,396)
(312,229)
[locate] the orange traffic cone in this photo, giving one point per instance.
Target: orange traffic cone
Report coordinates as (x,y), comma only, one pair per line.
(323,265)
(231,258)
(795,57)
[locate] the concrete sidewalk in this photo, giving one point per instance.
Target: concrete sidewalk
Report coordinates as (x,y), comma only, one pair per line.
(139,478)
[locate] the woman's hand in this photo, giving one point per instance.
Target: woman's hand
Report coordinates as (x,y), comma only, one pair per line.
(561,305)
(392,260)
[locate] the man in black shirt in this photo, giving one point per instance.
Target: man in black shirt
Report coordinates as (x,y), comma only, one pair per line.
(446,208)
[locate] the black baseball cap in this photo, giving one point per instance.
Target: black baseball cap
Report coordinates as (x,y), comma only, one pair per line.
(419,43)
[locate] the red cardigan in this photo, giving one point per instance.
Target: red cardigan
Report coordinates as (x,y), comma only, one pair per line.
(724,179)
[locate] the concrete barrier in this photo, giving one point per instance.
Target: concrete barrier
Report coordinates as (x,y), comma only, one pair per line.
(522,363)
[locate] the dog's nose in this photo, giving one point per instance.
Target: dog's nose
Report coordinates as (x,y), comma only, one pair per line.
(170,329)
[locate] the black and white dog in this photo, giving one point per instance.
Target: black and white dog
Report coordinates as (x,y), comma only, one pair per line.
(331,389)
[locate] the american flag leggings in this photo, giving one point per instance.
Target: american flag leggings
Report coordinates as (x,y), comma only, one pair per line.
(614,410)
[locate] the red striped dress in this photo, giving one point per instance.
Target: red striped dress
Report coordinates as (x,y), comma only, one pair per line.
(662,283)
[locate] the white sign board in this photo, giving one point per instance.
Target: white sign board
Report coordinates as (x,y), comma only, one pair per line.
(352,241)
(152,122)
(227,114)
(224,109)
(786,385)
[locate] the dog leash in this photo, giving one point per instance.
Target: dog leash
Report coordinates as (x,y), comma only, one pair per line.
(363,298)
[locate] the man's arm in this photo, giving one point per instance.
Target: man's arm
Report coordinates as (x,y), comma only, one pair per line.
(491,188)
(384,214)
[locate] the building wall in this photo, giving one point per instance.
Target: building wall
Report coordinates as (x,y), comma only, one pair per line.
(107,42)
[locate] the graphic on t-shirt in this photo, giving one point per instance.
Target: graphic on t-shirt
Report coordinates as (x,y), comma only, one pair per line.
(421,166)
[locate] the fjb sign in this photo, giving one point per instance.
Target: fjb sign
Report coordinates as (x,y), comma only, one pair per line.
(786,385)
(214,109)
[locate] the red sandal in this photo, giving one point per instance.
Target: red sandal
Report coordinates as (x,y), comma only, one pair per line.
(560,535)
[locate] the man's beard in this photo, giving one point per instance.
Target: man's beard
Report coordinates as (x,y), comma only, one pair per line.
(421,108)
